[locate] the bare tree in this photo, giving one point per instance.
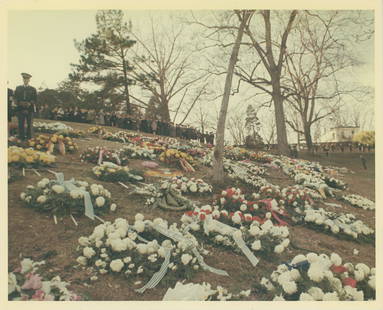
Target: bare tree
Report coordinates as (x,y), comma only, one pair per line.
(218,174)
(165,69)
(272,56)
(312,68)
(237,128)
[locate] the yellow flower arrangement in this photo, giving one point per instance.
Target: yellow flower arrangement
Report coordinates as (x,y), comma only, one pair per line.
(48,143)
(18,156)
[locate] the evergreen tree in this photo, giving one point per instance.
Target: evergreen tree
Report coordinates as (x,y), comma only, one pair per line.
(104,59)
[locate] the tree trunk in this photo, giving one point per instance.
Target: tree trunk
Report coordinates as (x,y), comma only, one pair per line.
(126,88)
(218,174)
(283,146)
(308,138)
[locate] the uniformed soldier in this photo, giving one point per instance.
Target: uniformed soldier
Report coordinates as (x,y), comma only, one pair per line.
(25,99)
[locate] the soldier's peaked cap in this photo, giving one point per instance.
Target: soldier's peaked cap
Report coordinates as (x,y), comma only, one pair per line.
(26,75)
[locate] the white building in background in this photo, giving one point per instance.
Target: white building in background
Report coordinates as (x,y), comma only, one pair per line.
(339,134)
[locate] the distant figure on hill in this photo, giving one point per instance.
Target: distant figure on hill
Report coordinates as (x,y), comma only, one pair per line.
(364,162)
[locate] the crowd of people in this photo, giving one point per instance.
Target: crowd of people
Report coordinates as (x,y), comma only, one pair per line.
(125,121)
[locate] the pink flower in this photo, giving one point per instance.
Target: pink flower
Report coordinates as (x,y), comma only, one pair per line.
(75,297)
(38,295)
(33,282)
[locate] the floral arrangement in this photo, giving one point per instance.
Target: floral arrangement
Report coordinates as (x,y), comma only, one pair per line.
(51,127)
(235,207)
(314,277)
(119,136)
(98,130)
(172,156)
(260,157)
(246,173)
(25,284)
(263,237)
(236,153)
(14,141)
(20,157)
(139,250)
(50,143)
(167,197)
(111,172)
(137,152)
(359,202)
(189,186)
(339,224)
(96,155)
(70,197)
(201,292)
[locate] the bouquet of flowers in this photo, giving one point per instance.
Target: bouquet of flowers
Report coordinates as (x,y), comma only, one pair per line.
(120,136)
(50,143)
(70,197)
(260,157)
(51,127)
(210,224)
(246,173)
(98,130)
(202,292)
(137,152)
(320,277)
(168,197)
(189,186)
(96,155)
(359,202)
(338,224)
(172,156)
(111,172)
(140,251)
(25,284)
(20,157)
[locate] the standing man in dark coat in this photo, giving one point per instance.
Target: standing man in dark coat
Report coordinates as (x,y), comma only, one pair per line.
(10,109)
(25,100)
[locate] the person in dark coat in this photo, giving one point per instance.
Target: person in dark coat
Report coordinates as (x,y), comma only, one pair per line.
(25,100)
(10,109)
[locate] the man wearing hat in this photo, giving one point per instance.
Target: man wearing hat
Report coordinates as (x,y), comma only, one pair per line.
(25,99)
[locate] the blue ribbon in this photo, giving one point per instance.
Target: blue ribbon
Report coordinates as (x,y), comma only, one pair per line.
(69,186)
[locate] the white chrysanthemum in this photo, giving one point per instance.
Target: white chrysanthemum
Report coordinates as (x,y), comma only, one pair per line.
(142,248)
(256,245)
(26,265)
(359,275)
(278,298)
(279,249)
(139,217)
(316,293)
(243,207)
(312,257)
(294,274)
(113,207)
(254,230)
(83,241)
(186,258)
(22,196)
(139,226)
(88,252)
(315,274)
(290,287)
(284,277)
(116,265)
(285,243)
(305,297)
(82,260)
(330,296)
(236,219)
(363,267)
(336,259)
(58,189)
(41,199)
(100,201)
(193,188)
(118,245)
(371,282)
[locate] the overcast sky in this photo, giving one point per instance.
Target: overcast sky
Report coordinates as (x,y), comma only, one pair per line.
(41,43)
